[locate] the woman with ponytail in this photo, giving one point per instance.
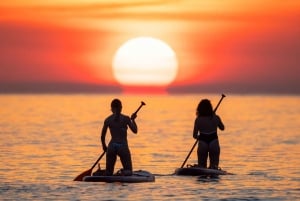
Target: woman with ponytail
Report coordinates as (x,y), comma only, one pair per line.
(118,145)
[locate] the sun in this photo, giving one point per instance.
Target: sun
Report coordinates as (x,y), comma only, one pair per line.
(145,61)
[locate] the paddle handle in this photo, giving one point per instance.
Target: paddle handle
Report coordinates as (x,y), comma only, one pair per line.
(223,96)
(142,104)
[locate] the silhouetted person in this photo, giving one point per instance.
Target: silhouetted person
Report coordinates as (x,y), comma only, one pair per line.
(205,130)
(118,146)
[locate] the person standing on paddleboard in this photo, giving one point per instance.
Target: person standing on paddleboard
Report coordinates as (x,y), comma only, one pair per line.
(205,130)
(118,145)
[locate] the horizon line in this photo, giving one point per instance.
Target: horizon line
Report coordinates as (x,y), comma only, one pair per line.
(90,88)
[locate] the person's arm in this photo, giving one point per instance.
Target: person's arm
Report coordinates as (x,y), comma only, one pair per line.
(220,123)
(103,134)
(132,124)
(195,131)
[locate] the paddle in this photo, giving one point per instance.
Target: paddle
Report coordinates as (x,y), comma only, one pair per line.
(89,171)
(223,96)
(142,104)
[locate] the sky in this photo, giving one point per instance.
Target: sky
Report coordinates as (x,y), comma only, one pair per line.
(232,46)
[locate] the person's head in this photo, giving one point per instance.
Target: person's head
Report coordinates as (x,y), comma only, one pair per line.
(116,106)
(204,108)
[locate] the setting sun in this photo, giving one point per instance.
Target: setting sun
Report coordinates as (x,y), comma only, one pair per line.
(149,46)
(145,61)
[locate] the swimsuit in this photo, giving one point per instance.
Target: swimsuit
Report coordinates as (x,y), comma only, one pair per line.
(117,145)
(208,137)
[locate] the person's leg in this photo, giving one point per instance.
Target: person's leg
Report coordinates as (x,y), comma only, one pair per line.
(202,152)
(125,157)
(111,157)
(214,154)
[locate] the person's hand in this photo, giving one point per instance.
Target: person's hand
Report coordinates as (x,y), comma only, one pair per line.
(133,116)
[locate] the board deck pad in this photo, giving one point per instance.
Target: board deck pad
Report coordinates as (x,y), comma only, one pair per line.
(137,177)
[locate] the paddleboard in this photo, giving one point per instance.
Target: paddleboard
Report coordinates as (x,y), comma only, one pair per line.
(198,171)
(137,177)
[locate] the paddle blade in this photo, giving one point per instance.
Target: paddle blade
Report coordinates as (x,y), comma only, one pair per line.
(86,173)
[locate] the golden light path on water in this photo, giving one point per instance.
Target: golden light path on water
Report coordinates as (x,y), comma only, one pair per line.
(47,140)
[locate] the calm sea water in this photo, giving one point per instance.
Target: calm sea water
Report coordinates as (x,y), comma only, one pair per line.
(47,140)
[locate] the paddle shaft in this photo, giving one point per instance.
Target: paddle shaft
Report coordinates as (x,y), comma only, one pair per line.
(89,171)
(223,96)
(98,160)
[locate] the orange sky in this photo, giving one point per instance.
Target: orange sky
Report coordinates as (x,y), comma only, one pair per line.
(240,45)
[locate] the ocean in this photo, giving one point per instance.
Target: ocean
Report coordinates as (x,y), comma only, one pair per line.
(46,140)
